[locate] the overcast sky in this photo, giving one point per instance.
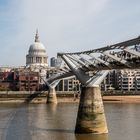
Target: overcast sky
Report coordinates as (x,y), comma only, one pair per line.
(64,25)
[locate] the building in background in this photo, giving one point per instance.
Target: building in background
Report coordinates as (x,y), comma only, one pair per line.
(19,80)
(55,62)
(128,79)
(110,82)
(69,85)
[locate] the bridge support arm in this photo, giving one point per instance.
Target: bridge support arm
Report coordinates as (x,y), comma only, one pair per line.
(100,60)
(136,53)
(80,74)
(117,58)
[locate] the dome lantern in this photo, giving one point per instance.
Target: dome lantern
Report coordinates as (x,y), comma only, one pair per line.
(37,36)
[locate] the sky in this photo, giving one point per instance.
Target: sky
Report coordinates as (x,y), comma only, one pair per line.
(64,25)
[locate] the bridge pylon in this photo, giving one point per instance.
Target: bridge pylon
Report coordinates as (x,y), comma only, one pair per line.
(51,97)
(91,117)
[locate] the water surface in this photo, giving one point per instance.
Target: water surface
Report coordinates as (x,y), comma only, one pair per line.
(57,122)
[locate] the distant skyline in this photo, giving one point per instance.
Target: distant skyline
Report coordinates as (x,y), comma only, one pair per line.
(64,25)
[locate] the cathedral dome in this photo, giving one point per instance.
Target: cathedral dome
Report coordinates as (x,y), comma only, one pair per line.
(37,46)
(37,53)
(37,49)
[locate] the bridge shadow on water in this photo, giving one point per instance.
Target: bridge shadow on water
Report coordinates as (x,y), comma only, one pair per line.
(55,130)
(33,96)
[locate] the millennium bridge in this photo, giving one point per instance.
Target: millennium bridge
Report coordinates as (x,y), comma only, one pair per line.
(90,68)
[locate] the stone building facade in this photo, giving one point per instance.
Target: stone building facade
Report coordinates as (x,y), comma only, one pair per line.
(19,81)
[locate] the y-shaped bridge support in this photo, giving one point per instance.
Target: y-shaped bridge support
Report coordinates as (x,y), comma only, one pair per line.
(52,83)
(51,98)
(91,116)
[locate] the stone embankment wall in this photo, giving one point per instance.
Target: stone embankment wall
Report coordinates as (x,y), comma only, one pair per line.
(41,97)
(36,96)
(119,92)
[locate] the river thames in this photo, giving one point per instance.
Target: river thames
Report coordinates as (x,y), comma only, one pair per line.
(57,122)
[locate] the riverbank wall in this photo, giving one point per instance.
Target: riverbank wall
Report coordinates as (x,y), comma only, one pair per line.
(36,96)
(71,96)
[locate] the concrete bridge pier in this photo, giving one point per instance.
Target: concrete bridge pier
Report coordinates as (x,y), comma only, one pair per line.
(91,116)
(51,97)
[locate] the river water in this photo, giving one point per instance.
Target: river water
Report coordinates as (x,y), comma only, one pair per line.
(57,122)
